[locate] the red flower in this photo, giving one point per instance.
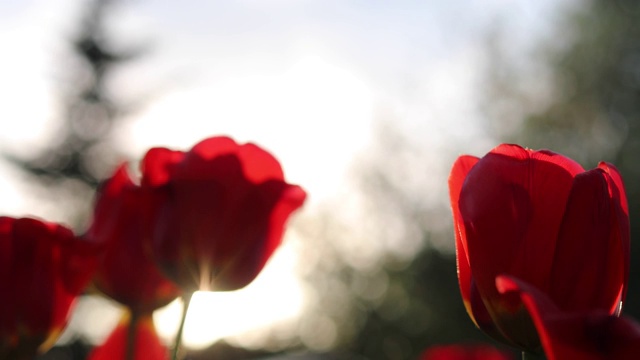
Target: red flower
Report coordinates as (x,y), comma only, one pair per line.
(465,352)
(594,335)
(126,272)
(147,344)
(43,267)
(538,216)
(222,211)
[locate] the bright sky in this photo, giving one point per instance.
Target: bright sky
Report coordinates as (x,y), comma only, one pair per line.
(305,79)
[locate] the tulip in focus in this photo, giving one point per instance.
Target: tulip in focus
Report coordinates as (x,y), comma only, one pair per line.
(222,209)
(43,268)
(540,217)
(465,352)
(594,335)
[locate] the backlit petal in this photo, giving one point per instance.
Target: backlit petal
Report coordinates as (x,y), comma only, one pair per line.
(594,335)
(512,205)
(620,213)
(588,270)
(220,214)
(122,223)
(459,172)
(157,164)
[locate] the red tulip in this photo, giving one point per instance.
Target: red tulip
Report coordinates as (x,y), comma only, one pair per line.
(592,335)
(43,268)
(126,272)
(222,212)
(465,352)
(147,344)
(538,216)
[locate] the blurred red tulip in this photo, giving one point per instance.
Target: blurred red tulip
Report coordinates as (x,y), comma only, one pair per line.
(43,268)
(222,212)
(126,272)
(465,352)
(590,335)
(147,344)
(540,217)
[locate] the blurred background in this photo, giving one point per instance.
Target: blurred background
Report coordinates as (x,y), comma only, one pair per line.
(365,103)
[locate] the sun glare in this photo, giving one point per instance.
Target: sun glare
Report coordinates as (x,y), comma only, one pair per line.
(313,116)
(273,297)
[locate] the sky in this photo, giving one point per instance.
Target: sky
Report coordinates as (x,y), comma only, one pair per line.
(309,80)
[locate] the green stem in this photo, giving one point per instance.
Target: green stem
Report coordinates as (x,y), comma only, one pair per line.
(186,300)
(131,336)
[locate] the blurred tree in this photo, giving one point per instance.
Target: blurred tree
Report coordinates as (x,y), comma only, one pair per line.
(80,156)
(589,105)
(67,172)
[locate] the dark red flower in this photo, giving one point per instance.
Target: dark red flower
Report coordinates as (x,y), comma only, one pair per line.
(147,344)
(584,335)
(465,352)
(43,268)
(122,222)
(538,216)
(222,212)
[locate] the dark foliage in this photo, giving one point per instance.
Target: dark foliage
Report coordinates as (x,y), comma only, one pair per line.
(81,150)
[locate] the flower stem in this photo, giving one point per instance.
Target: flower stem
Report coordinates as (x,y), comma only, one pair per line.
(186,300)
(131,336)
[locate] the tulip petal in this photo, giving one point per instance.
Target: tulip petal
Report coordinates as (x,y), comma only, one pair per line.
(6,280)
(192,238)
(471,298)
(257,164)
(577,335)
(107,202)
(512,205)
(621,219)
(588,269)
(121,223)
(617,186)
(225,169)
(459,172)
(156,166)
(482,318)
(280,200)
(232,247)
(211,148)
(221,212)
(35,273)
(43,267)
